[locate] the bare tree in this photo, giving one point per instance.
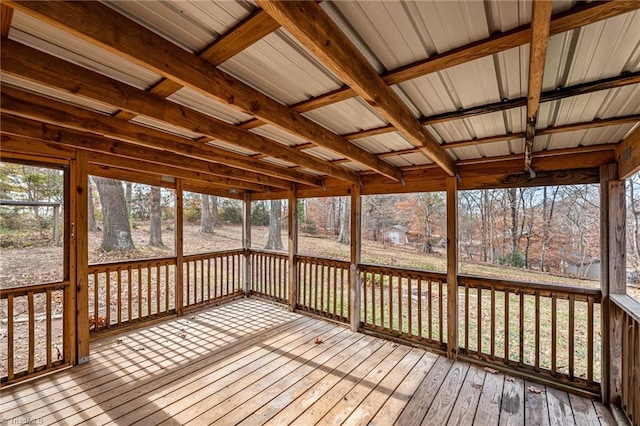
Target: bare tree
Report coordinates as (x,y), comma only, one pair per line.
(91,210)
(116,235)
(274,240)
(344,223)
(155,225)
(206,221)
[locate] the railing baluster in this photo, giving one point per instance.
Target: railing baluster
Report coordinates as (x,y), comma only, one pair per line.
(479,321)
(149,290)
(158,280)
(521,330)
(202,280)
(334,310)
(466,316)
(129,296)
(572,305)
(49,329)
(107,314)
(32,333)
(10,336)
(227,275)
(140,291)
(536,365)
(166,287)
(409,313)
(430,311)
(506,326)
(400,319)
(322,308)
(119,301)
(419,307)
(554,312)
(95,297)
(365,284)
(440,312)
(390,278)
(493,323)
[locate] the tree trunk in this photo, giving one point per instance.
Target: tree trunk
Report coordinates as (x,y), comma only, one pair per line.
(93,227)
(206,219)
(155,226)
(513,205)
(129,195)
(344,223)
(215,219)
(274,241)
(116,235)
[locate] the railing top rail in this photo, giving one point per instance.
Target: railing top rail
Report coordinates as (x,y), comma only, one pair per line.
(113,266)
(213,254)
(433,275)
(269,252)
(38,288)
(518,285)
(323,260)
(628,304)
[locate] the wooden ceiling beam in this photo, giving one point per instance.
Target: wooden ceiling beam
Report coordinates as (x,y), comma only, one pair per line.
(163,163)
(31,64)
(6,15)
(106,28)
(628,155)
(317,31)
(622,80)
(50,111)
(566,21)
(540,25)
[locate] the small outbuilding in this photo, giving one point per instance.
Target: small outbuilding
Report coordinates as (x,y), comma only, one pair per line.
(396,234)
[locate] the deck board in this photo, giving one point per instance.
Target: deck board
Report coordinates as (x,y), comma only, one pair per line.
(250,362)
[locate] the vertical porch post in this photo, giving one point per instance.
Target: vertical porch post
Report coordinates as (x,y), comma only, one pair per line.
(81,189)
(608,173)
(293,248)
(354,268)
(179,248)
(246,242)
(452,267)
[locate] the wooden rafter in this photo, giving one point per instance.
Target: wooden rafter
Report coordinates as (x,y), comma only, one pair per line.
(104,27)
(566,21)
(34,65)
(540,25)
(628,155)
(47,110)
(6,16)
(315,29)
(552,95)
(22,127)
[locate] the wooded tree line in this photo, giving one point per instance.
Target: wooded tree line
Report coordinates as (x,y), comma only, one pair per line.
(534,228)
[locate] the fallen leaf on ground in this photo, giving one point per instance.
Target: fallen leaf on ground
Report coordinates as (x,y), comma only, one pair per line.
(318,341)
(139,348)
(118,341)
(510,379)
(534,389)
(491,370)
(477,385)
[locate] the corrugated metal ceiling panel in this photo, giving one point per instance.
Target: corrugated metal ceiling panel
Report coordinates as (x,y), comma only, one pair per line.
(231,147)
(406,160)
(323,153)
(598,136)
(278,162)
(56,94)
(356,167)
(199,102)
(191,25)
(165,127)
(384,143)
(496,149)
(347,116)
(42,36)
(280,67)
(599,50)
(278,135)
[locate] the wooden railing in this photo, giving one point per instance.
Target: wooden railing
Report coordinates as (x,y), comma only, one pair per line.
(34,337)
(270,275)
(212,277)
(627,311)
(549,330)
(323,287)
(405,303)
(128,292)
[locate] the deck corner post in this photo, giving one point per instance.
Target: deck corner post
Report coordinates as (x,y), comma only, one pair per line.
(355,284)
(452,267)
(292,209)
(179,248)
(79,236)
(246,243)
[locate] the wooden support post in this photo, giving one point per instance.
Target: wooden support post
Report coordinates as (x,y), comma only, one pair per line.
(246,242)
(293,249)
(179,248)
(452,267)
(355,284)
(617,285)
(81,190)
(607,173)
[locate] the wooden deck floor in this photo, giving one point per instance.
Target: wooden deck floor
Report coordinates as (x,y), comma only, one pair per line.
(251,363)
